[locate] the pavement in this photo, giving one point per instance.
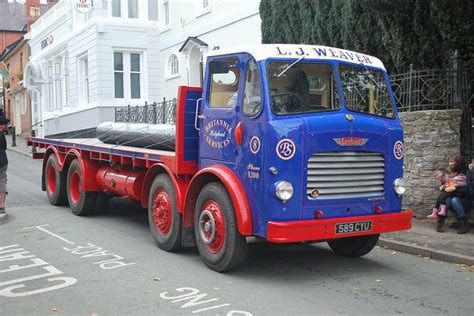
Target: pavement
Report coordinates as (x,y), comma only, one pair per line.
(422,240)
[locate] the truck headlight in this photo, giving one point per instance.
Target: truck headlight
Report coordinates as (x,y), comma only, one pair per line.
(399,186)
(284,190)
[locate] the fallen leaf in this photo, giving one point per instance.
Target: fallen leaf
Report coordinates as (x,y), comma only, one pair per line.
(394,253)
(147,292)
(471,268)
(55,309)
(156,279)
(379,280)
(94,314)
(25,235)
(467,279)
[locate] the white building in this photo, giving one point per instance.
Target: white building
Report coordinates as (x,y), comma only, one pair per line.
(122,52)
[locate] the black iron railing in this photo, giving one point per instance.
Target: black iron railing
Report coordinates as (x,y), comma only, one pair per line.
(419,90)
(163,112)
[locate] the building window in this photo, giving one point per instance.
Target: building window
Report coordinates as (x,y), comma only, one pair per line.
(116,8)
(135,75)
(173,65)
(83,80)
(23,104)
(49,72)
(153,10)
(133,9)
(127,75)
(21,62)
(203,7)
(57,86)
(165,13)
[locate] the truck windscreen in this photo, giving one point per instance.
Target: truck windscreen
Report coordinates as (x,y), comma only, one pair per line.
(366,91)
(302,87)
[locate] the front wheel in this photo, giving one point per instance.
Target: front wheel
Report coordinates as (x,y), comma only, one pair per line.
(219,242)
(163,215)
(354,247)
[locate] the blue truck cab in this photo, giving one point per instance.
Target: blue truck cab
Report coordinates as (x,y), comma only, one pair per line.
(313,135)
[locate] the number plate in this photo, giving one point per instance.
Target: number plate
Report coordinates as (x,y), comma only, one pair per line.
(353,227)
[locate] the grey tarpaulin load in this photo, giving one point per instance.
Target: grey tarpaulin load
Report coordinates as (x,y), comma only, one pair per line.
(156,136)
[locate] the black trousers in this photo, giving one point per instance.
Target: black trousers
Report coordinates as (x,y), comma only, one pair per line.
(443,195)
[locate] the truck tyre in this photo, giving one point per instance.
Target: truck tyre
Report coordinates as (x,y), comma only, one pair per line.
(102,202)
(81,202)
(219,242)
(354,247)
(56,187)
(163,215)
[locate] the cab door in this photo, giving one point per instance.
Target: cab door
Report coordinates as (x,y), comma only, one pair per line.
(219,110)
(250,149)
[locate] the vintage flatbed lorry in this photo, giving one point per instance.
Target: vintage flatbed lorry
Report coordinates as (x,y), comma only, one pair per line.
(283,143)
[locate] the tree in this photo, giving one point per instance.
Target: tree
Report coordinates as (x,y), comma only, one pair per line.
(400,32)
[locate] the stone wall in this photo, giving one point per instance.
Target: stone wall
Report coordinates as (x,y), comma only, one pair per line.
(430,138)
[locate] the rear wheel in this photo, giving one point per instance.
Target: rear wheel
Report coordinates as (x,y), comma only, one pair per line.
(163,215)
(220,244)
(81,202)
(56,187)
(353,247)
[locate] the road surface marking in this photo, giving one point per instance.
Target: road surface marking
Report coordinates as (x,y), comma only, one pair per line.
(8,287)
(40,227)
(193,297)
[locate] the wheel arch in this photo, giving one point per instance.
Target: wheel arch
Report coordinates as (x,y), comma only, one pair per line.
(225,176)
(88,167)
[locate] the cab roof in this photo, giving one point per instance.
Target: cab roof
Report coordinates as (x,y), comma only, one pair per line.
(295,51)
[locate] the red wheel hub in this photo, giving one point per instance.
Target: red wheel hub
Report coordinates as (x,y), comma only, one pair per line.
(162,212)
(75,187)
(212,226)
(51,179)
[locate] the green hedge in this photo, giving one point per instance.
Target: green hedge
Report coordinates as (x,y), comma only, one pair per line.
(400,32)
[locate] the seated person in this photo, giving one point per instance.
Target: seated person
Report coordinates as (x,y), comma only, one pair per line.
(461,204)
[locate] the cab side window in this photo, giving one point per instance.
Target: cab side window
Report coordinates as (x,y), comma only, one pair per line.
(224,85)
(252,102)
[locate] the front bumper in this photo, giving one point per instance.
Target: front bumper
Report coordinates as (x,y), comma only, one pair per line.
(323,229)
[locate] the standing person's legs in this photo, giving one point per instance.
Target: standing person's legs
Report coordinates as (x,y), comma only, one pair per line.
(3,188)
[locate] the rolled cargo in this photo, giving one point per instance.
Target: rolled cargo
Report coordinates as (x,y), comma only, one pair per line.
(155,136)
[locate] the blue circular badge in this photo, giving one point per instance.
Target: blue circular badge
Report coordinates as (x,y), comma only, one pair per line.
(286,149)
(255,145)
(398,150)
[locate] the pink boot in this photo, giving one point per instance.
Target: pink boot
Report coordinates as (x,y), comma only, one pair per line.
(433,214)
(442,210)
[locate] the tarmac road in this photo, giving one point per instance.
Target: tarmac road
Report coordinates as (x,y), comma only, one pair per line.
(52,262)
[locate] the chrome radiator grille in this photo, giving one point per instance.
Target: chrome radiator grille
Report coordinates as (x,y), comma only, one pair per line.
(347,174)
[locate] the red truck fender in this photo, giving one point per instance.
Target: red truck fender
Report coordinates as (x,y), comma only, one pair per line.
(232,184)
(88,167)
(179,185)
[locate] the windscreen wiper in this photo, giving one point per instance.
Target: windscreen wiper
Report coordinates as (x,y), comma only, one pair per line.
(284,70)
